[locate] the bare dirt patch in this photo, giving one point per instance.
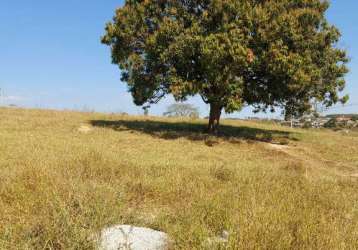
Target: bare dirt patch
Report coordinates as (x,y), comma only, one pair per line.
(84,129)
(278,146)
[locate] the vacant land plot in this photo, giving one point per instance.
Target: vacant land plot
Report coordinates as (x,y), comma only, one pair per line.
(65,175)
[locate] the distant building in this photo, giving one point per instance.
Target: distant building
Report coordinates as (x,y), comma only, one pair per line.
(343,118)
(306,122)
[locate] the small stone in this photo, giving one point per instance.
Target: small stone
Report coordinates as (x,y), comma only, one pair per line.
(225,235)
(127,237)
(214,242)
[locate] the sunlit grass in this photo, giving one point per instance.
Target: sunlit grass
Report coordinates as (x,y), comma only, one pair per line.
(60,186)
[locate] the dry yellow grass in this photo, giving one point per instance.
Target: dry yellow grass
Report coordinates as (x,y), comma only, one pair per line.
(66,175)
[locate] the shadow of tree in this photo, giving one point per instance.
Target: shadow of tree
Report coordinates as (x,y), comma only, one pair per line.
(195,131)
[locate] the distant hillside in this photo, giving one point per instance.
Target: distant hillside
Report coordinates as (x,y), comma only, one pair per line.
(352,116)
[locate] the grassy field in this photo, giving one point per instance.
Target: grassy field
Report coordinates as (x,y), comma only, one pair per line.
(66,175)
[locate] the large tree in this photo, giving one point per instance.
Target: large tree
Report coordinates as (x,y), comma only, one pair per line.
(262,53)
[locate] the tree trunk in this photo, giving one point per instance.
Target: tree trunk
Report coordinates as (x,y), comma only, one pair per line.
(214,118)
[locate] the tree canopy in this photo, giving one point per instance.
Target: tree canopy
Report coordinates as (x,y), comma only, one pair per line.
(232,53)
(182,110)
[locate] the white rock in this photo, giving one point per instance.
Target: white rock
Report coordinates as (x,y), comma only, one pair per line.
(126,237)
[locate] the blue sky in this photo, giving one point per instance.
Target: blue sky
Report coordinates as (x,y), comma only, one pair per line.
(51,56)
